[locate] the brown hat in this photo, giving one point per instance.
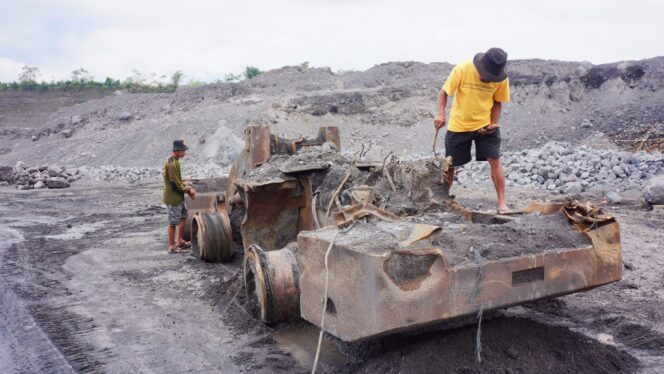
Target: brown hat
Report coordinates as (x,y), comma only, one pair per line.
(491,65)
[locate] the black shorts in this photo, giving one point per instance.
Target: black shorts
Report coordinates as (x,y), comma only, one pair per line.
(457,145)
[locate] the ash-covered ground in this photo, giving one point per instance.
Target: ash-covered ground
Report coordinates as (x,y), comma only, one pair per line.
(86,284)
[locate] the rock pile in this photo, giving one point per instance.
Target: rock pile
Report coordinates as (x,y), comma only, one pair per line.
(120,173)
(135,174)
(36,177)
(561,167)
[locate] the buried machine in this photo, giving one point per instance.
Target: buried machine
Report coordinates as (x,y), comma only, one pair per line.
(372,248)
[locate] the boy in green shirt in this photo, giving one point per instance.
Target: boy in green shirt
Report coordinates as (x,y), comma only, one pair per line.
(173,197)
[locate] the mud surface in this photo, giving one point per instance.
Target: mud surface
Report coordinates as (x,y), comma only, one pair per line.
(510,345)
(526,234)
(86,286)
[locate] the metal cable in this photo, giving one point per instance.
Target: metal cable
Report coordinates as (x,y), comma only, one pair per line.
(327,274)
(478,336)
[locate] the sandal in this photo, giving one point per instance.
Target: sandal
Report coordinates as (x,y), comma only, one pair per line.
(184,245)
(173,250)
(507,212)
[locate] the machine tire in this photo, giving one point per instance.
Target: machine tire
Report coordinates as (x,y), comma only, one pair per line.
(211,237)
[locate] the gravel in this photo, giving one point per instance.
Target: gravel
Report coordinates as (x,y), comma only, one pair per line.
(137,174)
(565,168)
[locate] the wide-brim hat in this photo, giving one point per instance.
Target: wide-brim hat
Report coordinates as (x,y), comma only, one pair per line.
(178,145)
(491,65)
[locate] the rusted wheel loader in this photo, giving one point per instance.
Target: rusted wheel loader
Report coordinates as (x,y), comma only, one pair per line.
(380,247)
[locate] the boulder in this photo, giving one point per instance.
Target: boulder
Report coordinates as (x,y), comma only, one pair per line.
(39,185)
(618,171)
(67,133)
(613,197)
(653,193)
(573,188)
(7,174)
(57,182)
(251,100)
(571,178)
(125,116)
(76,119)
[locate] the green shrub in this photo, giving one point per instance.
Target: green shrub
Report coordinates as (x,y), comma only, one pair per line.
(251,72)
(230,77)
(176,78)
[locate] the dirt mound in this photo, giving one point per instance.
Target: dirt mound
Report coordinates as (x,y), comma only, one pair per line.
(531,347)
(389,105)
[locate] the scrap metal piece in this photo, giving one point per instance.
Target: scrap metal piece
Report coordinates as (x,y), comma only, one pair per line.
(204,202)
(257,144)
(362,194)
(276,210)
(419,232)
(337,191)
(586,216)
(276,205)
(358,211)
(282,146)
(304,168)
(543,207)
(330,134)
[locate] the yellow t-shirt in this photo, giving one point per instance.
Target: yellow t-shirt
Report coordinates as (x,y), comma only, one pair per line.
(473,99)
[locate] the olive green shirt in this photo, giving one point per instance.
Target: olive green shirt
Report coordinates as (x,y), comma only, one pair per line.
(174,189)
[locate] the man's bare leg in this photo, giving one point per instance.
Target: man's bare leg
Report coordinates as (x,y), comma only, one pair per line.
(449,176)
(498,177)
(180,230)
(171,237)
(446,179)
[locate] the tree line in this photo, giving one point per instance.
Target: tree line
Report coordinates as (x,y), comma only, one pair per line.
(28,79)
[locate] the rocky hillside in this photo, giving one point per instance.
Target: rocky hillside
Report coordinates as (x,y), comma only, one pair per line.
(390,106)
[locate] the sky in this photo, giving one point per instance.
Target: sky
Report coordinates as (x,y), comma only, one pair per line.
(207,39)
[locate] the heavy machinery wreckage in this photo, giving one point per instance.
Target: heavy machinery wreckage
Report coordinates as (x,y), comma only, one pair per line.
(400,253)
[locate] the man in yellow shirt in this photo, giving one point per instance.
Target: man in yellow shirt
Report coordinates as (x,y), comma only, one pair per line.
(479,88)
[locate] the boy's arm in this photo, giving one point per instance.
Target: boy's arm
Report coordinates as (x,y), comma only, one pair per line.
(439,120)
(449,88)
(495,114)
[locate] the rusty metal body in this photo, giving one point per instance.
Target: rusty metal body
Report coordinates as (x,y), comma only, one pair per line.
(276,208)
(294,196)
(405,286)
